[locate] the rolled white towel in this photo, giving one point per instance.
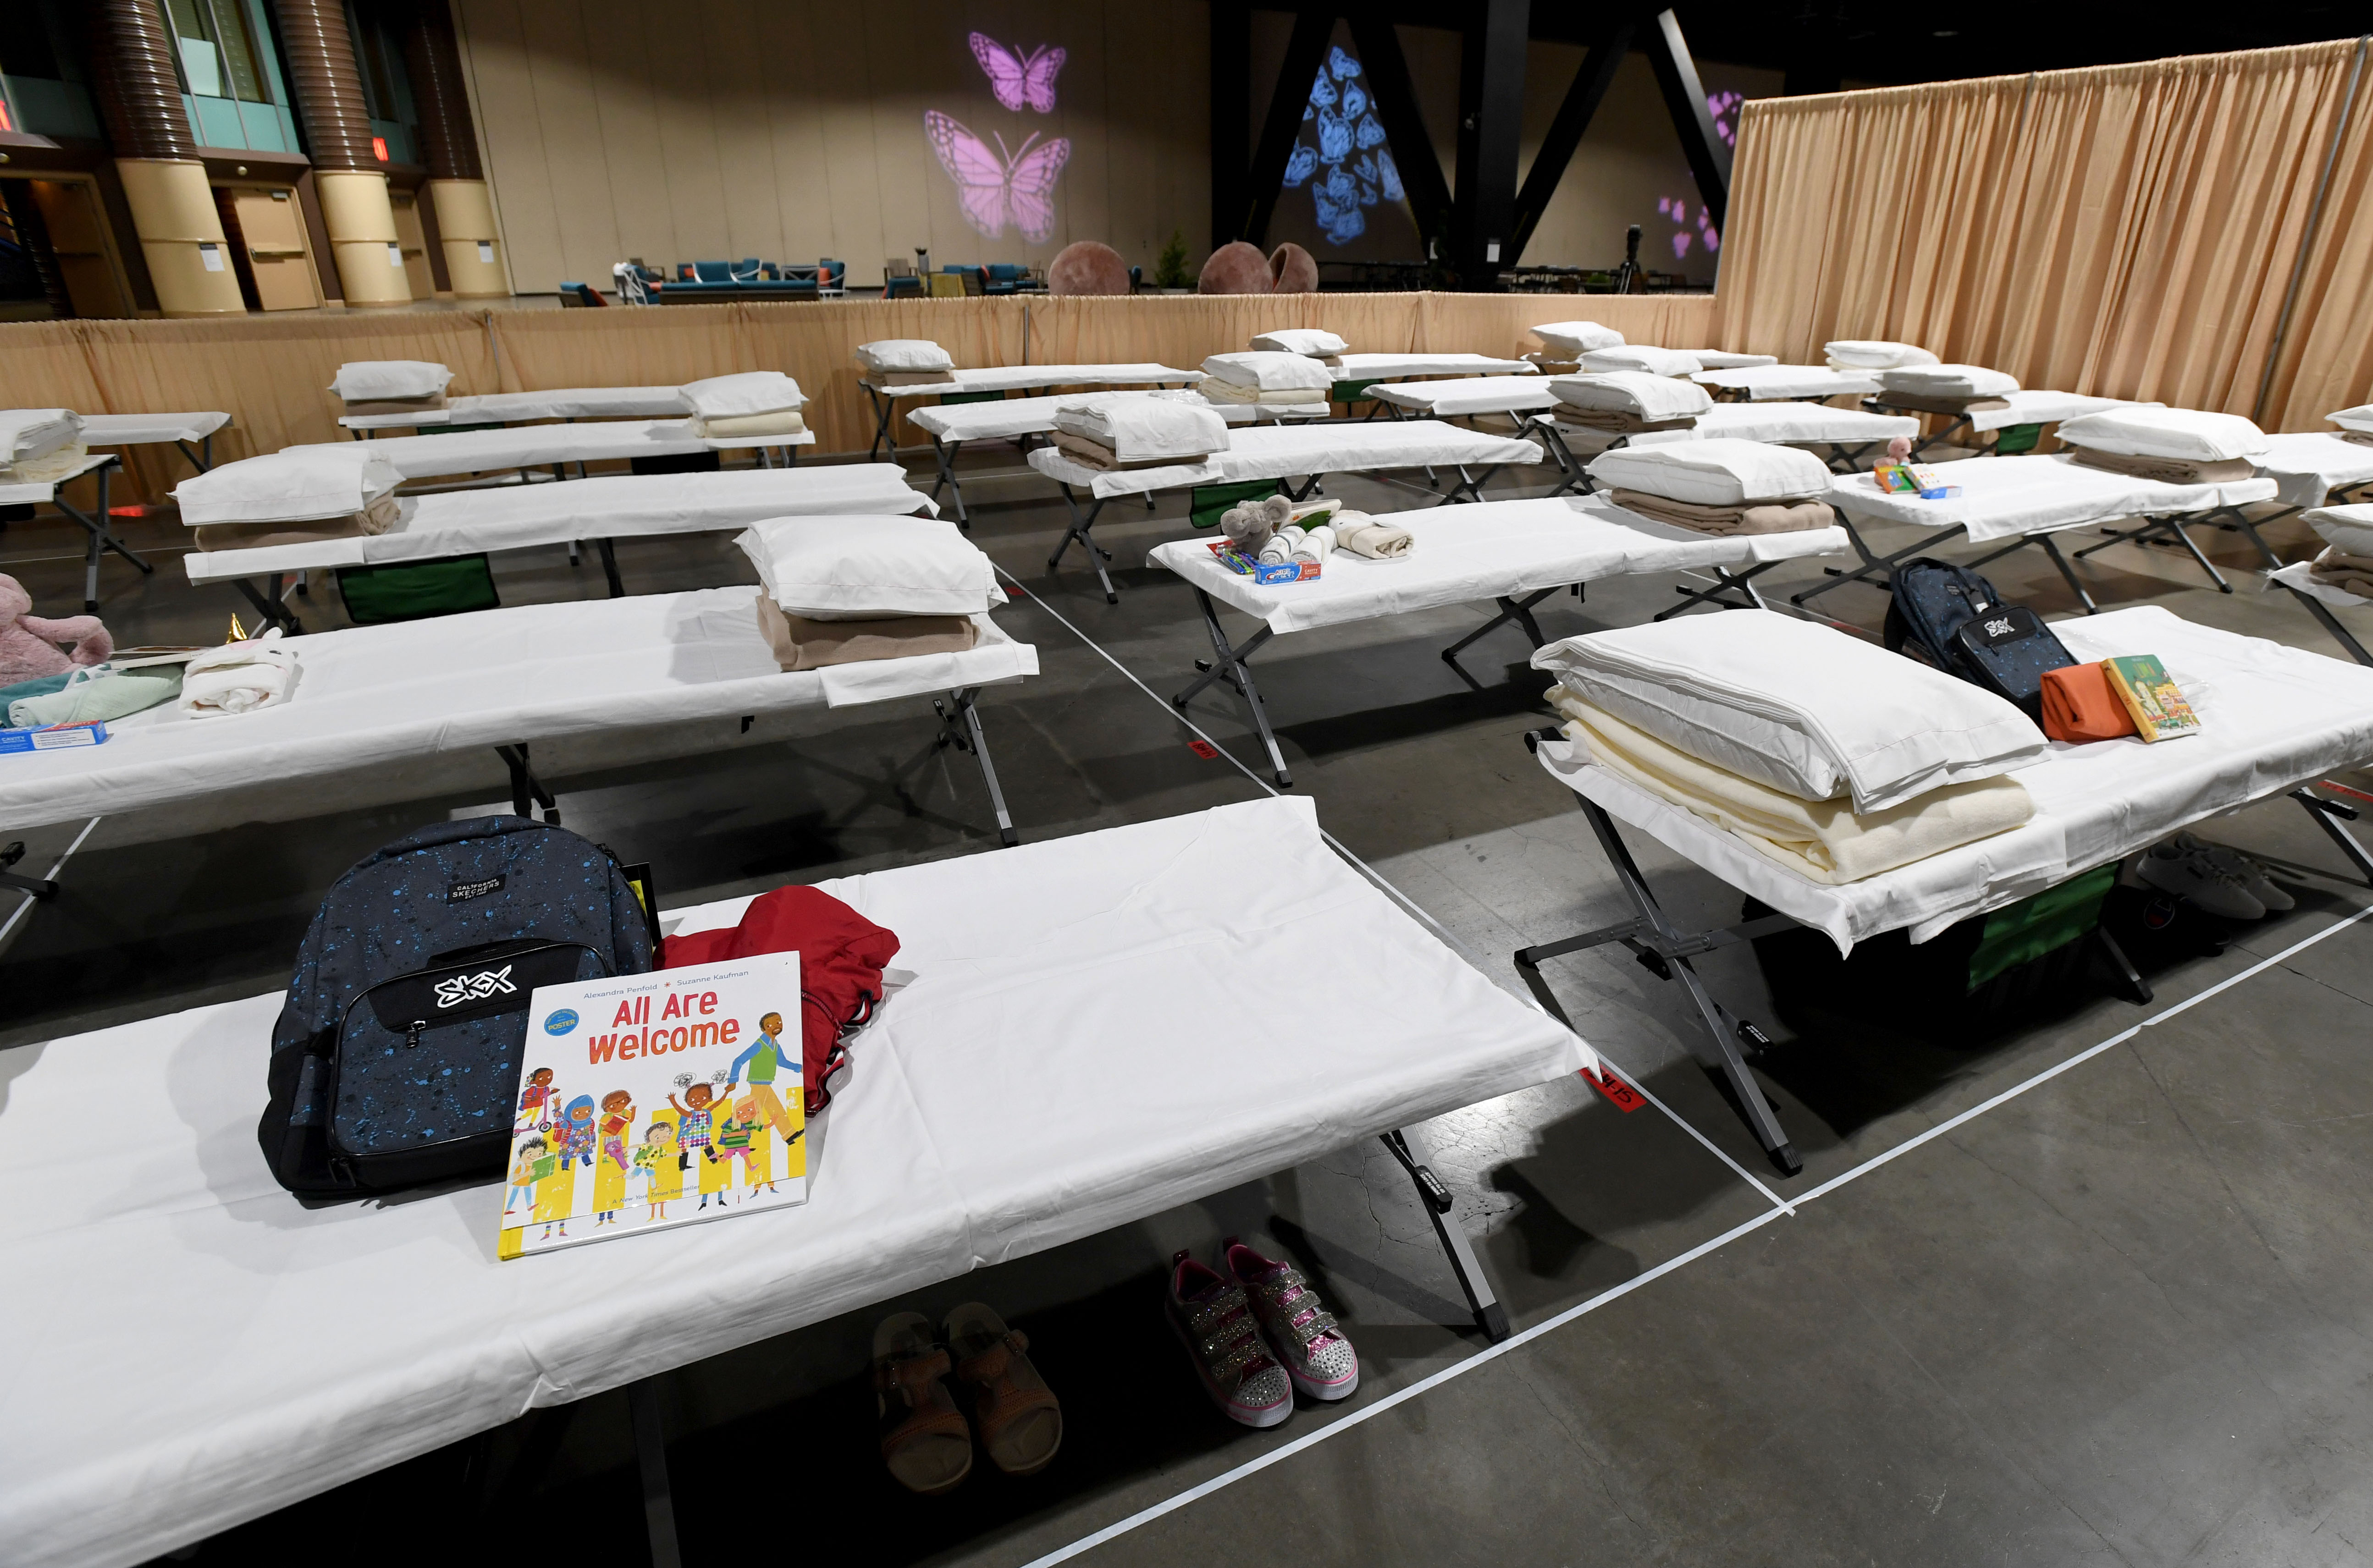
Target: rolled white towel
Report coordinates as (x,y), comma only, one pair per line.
(239,677)
(1278,550)
(1312,543)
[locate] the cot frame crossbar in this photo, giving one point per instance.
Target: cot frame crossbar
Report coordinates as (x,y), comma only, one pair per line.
(101,530)
(1883,566)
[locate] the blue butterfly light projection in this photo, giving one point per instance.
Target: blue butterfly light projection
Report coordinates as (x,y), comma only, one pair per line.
(1349,168)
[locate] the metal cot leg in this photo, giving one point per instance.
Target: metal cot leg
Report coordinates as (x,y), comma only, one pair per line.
(1520,610)
(1725,580)
(967,736)
(1490,1315)
(2331,624)
(1882,564)
(610,569)
(2329,816)
(271,607)
(944,453)
(883,408)
(526,788)
(1081,523)
(651,1456)
(1231,664)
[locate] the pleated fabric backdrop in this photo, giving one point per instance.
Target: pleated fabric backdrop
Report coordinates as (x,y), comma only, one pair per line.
(272,373)
(2133,230)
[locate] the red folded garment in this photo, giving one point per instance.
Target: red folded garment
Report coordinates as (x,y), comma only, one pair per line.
(841,958)
(2078,705)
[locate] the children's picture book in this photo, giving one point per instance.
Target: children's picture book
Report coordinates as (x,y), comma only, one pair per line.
(654,1100)
(2141,683)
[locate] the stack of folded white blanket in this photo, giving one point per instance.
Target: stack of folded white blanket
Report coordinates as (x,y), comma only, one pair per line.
(1834,757)
(1948,389)
(907,362)
(2173,446)
(753,404)
(1309,342)
(1874,353)
(291,498)
(39,446)
(1627,403)
(239,677)
(1266,378)
(1719,486)
(1644,359)
(1568,342)
(391,386)
(1114,431)
(845,590)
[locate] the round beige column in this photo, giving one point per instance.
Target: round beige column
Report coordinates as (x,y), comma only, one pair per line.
(346,176)
(448,145)
(165,185)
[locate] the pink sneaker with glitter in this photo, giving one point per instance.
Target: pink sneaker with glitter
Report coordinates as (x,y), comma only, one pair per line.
(1213,1318)
(1301,1333)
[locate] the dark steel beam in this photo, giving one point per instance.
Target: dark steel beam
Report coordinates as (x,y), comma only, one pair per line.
(1685,99)
(1412,148)
(1305,53)
(1491,134)
(1565,134)
(1232,116)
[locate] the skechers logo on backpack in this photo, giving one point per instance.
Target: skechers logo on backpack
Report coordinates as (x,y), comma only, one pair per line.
(463,892)
(463,988)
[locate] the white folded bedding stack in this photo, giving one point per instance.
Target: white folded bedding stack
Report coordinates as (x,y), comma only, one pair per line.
(39,446)
(1309,342)
(1266,377)
(391,386)
(1874,353)
(1646,358)
(1948,388)
(1828,755)
(846,590)
(1564,344)
(2172,446)
(907,362)
(1719,486)
(1115,432)
(754,404)
(2355,423)
(291,498)
(1627,403)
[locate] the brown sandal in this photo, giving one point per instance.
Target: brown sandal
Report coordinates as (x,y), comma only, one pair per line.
(1020,1421)
(924,1439)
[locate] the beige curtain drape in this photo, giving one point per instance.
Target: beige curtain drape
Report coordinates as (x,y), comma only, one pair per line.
(272,373)
(2129,231)
(2326,358)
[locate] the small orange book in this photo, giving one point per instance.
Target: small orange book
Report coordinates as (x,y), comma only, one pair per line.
(2142,684)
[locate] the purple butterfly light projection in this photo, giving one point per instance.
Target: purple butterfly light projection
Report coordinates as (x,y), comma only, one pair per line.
(996,188)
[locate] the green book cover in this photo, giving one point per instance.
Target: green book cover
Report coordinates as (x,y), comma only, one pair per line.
(2142,684)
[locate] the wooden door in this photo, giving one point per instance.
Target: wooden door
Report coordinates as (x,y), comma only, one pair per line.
(274,231)
(414,241)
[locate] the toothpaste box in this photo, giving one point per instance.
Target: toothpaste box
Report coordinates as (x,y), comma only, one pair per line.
(54,737)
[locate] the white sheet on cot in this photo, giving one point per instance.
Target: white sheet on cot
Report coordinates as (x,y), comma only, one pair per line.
(535,446)
(140,429)
(1078,1049)
(1763,381)
(2034,494)
(1476,553)
(2307,465)
(367,695)
(626,505)
(2273,717)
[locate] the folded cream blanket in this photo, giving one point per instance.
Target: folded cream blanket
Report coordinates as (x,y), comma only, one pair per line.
(2168,470)
(47,469)
(911,378)
(1089,453)
(239,677)
(1822,841)
(743,426)
(1363,536)
(1942,403)
(1749,517)
(394,404)
(377,518)
(2337,568)
(1617,421)
(799,643)
(1227,391)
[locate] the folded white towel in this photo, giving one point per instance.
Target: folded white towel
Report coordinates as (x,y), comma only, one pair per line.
(738,396)
(1874,353)
(1571,340)
(1144,430)
(29,433)
(1269,372)
(1642,357)
(239,677)
(1278,550)
(373,380)
(1308,341)
(903,353)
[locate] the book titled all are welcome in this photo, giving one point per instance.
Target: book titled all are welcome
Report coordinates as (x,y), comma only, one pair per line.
(647,1101)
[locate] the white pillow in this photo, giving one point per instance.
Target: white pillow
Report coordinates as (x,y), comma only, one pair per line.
(855,568)
(1948,380)
(1269,372)
(1140,429)
(1808,710)
(1634,391)
(1874,353)
(2359,418)
(29,433)
(367,380)
(296,486)
(1725,359)
(2350,528)
(1575,339)
(733,397)
(1718,472)
(1640,357)
(1300,339)
(2190,435)
(903,353)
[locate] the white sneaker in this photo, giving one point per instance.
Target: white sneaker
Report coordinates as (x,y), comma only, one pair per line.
(2188,873)
(1302,1334)
(2248,872)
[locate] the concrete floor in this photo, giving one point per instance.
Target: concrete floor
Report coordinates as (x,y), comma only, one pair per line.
(2122,1317)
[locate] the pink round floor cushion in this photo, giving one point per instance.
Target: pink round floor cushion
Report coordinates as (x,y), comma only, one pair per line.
(1234,268)
(1087,266)
(1292,270)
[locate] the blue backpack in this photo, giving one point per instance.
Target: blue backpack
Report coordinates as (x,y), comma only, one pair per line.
(1961,626)
(396,1059)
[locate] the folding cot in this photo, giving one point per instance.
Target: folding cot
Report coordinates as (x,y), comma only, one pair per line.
(522,407)
(155,429)
(536,446)
(952,425)
(2321,598)
(995,380)
(1076,1051)
(518,517)
(2275,720)
(101,467)
(380,695)
(2026,500)
(1357,374)
(1761,383)
(1517,553)
(1272,455)
(2026,410)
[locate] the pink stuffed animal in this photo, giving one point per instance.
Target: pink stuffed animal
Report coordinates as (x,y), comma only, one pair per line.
(29,644)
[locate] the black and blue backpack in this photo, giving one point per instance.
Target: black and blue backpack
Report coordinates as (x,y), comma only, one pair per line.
(396,1059)
(1955,621)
